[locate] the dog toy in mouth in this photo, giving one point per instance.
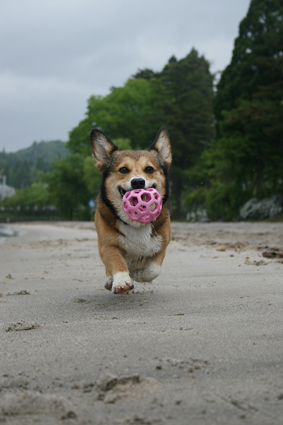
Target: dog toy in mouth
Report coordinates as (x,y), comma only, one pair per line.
(142,205)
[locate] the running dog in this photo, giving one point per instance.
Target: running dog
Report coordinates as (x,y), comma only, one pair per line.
(131,250)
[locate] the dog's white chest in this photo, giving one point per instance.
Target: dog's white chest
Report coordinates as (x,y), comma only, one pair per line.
(139,242)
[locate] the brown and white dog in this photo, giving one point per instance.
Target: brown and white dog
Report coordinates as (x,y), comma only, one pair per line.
(130,250)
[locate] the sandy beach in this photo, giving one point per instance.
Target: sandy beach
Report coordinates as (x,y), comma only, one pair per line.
(201,345)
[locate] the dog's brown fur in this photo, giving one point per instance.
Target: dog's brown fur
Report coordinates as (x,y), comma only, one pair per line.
(130,250)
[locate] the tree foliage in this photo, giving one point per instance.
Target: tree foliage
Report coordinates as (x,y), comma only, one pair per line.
(91,176)
(67,189)
(248,110)
(35,196)
(122,114)
(187,111)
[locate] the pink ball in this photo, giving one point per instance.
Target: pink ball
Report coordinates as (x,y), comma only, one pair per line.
(142,205)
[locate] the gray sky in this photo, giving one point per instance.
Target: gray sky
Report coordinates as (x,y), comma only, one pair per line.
(56,53)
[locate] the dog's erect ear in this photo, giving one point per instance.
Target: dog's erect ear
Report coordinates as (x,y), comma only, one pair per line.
(102,149)
(162,145)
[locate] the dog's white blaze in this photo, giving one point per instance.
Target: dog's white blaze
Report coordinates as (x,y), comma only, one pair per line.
(138,242)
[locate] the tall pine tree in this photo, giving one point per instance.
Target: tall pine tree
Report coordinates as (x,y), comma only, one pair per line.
(185,107)
(248,105)
(188,115)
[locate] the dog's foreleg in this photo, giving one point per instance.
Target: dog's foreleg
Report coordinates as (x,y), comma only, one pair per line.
(116,270)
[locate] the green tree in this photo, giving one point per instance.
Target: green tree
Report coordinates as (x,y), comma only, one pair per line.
(67,188)
(188,115)
(180,97)
(184,104)
(92,177)
(123,114)
(248,107)
(35,196)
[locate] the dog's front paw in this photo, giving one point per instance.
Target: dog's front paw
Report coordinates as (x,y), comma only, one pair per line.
(122,283)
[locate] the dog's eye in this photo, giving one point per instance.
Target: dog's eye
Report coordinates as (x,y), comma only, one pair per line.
(124,170)
(149,170)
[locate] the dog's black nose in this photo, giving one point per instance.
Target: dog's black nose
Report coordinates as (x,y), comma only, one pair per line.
(138,183)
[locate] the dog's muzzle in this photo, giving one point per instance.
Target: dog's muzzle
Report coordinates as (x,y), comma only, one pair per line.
(138,183)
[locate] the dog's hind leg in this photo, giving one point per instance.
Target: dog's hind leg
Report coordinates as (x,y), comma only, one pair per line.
(150,271)
(151,268)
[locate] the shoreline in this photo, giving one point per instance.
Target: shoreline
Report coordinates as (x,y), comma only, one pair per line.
(195,233)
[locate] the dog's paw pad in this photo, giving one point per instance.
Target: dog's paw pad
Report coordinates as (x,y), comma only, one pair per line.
(109,283)
(120,289)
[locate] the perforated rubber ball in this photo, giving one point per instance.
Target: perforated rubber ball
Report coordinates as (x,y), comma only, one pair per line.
(142,205)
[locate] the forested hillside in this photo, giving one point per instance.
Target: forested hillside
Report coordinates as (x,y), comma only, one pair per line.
(26,166)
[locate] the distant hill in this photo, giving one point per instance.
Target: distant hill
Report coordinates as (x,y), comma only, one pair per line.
(26,166)
(48,151)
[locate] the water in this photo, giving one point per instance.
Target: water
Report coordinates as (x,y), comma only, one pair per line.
(6,232)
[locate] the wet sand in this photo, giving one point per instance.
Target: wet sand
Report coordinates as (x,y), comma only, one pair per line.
(203,344)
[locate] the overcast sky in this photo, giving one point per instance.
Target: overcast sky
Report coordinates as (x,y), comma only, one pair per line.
(56,53)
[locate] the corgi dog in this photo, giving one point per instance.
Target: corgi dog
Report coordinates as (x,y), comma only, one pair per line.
(130,250)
